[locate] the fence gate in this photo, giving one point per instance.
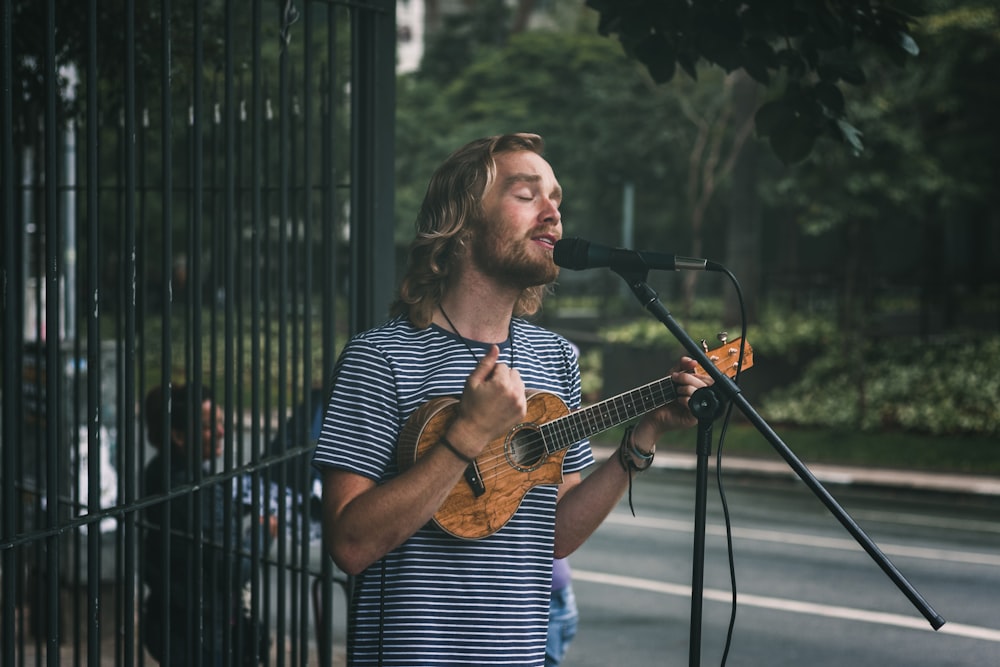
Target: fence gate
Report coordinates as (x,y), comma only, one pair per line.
(193,193)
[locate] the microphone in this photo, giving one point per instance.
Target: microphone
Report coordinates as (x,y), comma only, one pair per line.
(577,254)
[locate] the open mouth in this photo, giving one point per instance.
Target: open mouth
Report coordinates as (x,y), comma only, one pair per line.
(547,240)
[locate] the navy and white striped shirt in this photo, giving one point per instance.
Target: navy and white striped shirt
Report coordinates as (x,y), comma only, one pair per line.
(445,600)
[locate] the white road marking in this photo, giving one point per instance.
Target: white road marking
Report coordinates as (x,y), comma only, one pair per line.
(792,606)
(784,537)
(908,519)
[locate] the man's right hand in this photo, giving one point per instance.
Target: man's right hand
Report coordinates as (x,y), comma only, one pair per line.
(493,401)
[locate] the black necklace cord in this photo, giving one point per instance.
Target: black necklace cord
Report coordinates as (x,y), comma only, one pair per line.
(510,336)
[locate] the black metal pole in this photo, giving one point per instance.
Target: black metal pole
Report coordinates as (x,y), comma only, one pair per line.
(728,389)
(704,405)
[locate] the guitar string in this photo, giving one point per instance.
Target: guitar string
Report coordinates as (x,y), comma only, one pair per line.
(497,460)
(563,431)
(564,427)
(574,426)
(616,410)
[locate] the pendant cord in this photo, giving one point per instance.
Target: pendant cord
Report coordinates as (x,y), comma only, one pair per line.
(510,336)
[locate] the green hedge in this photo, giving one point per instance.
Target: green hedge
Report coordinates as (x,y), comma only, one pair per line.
(946,385)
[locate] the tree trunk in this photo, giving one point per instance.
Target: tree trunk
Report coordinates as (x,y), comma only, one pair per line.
(743,240)
(720,140)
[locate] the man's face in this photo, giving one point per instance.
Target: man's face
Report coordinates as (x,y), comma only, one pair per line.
(211,434)
(212,431)
(521,222)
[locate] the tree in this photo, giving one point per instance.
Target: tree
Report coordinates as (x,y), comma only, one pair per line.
(924,195)
(608,126)
(604,122)
(810,46)
(721,134)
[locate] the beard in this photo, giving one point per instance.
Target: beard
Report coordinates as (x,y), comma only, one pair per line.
(510,261)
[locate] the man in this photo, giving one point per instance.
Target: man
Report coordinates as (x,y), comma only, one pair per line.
(195,437)
(481,260)
(174,631)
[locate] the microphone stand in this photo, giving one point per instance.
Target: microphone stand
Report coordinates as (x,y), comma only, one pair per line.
(706,406)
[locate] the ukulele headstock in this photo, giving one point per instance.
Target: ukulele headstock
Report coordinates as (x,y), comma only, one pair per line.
(726,357)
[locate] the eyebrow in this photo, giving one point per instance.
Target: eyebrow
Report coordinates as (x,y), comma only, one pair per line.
(522,177)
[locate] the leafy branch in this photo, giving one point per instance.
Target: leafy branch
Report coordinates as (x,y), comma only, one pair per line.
(811,46)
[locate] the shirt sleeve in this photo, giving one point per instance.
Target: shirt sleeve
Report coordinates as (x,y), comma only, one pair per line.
(361,422)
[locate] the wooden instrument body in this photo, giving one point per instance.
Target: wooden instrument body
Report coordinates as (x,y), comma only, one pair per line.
(532,452)
(508,467)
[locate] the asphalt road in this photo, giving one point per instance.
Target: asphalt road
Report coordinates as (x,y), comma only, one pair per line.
(808,594)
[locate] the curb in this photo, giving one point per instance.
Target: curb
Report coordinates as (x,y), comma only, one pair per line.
(977,485)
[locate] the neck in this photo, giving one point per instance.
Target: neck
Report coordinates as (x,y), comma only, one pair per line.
(469,319)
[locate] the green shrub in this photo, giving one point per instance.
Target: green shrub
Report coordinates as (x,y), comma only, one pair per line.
(946,385)
(950,385)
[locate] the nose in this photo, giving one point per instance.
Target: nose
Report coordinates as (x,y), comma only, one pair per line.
(550,211)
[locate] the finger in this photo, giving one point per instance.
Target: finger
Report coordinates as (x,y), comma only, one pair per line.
(518,391)
(686,365)
(484,369)
(686,382)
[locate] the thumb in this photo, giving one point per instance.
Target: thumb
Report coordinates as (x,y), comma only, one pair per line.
(484,369)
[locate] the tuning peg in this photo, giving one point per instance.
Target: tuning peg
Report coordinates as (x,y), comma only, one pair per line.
(723,337)
(704,345)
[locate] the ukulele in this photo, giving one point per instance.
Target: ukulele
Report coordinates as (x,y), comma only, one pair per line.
(532,452)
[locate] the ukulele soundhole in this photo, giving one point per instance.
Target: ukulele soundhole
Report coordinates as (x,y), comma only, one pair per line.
(525,448)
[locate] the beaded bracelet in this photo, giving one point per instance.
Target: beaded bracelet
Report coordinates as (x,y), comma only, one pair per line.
(628,452)
(628,463)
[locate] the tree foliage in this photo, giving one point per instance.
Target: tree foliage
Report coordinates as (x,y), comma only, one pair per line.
(810,47)
(917,213)
(603,120)
(924,183)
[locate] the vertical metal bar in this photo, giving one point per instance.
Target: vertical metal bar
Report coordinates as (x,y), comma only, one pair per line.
(373,142)
(196,147)
(323,600)
(243,450)
(128,274)
(53,367)
(257,127)
(229,210)
(71,396)
(11,322)
(30,202)
(301,471)
(146,245)
(284,217)
(328,287)
(94,420)
(170,551)
(241,255)
(229,237)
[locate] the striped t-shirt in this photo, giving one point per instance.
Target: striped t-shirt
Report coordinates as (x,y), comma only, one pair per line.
(438,599)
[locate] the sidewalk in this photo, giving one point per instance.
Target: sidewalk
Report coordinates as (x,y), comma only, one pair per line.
(979,485)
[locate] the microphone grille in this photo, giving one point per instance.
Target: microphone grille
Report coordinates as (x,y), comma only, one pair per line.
(571,253)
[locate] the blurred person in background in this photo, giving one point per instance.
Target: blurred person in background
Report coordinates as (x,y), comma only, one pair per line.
(178,582)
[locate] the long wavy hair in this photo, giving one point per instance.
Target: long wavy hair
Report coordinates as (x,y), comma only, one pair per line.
(446,222)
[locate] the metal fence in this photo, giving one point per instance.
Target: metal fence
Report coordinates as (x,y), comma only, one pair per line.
(192,192)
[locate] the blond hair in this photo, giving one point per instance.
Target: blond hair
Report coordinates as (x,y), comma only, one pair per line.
(444,225)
